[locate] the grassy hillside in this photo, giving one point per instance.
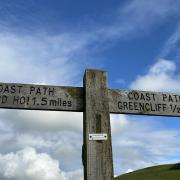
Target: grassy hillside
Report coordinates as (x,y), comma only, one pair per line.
(163,172)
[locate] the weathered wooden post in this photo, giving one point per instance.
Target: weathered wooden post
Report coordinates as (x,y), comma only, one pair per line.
(97,148)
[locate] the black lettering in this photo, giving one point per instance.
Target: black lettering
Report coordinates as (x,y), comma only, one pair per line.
(164,107)
(178,110)
(125,105)
(4,99)
(148,97)
(175,107)
(53,103)
(170,98)
(10,89)
(45,90)
(136,96)
(130,96)
(13,90)
(28,100)
(16,100)
(59,101)
(141,106)
(152,107)
(164,97)
(44,101)
(120,105)
(34,100)
(32,89)
(147,107)
(171,107)
(22,100)
(6,89)
(153,95)
(142,97)
(175,96)
(136,106)
(64,103)
(130,106)
(1,88)
(19,90)
(51,91)
(69,103)
(38,91)
(159,107)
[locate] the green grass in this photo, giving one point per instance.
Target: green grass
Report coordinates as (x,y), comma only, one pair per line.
(162,172)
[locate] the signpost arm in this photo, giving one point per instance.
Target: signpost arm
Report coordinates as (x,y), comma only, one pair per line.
(97,155)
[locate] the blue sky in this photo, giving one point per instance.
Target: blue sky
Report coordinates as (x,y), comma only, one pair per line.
(53,42)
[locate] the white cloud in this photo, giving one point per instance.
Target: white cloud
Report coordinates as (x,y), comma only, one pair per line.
(43,120)
(118,123)
(75,175)
(142,142)
(30,165)
(129,170)
(160,77)
(63,146)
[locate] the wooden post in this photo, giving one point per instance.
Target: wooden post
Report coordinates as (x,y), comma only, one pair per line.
(97,155)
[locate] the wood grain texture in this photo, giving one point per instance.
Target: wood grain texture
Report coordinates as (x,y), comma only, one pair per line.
(144,102)
(41,97)
(97,155)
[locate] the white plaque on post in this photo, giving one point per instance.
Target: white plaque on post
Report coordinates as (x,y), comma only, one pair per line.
(98,137)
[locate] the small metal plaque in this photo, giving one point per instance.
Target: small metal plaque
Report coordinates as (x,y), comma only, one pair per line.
(98,137)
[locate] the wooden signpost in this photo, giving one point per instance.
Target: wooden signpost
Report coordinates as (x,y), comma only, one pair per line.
(96,102)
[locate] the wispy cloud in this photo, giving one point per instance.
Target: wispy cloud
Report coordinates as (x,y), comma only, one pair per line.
(40,58)
(131,19)
(137,18)
(172,44)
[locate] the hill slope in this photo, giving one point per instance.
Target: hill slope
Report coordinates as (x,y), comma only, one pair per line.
(162,172)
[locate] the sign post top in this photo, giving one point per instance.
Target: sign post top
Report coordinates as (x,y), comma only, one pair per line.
(94,70)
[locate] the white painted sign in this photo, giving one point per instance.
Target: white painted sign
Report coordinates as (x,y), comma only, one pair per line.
(98,137)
